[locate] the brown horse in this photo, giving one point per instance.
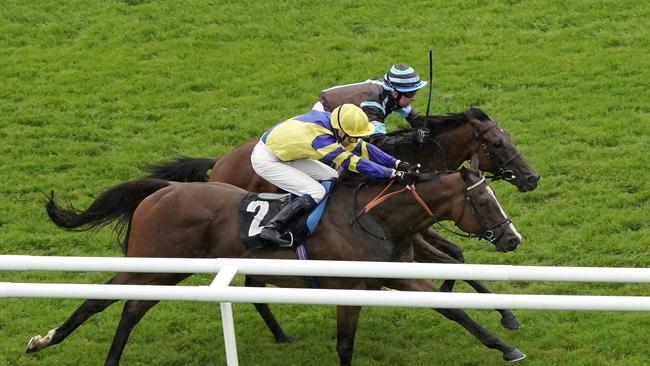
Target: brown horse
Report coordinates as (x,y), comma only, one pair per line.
(455,138)
(201,220)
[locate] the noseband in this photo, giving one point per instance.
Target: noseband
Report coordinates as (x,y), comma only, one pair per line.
(502,172)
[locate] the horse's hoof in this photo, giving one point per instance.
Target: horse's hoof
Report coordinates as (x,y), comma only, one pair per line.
(37,342)
(510,322)
(514,356)
(34,344)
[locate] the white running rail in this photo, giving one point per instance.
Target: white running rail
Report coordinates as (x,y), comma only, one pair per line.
(226,269)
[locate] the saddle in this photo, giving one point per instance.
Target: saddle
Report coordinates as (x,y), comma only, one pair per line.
(256,209)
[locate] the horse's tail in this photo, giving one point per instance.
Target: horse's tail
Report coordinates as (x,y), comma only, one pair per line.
(116,203)
(183,169)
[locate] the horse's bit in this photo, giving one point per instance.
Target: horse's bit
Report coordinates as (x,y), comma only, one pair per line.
(486,233)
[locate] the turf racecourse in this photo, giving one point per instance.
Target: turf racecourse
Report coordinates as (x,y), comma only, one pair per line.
(92,90)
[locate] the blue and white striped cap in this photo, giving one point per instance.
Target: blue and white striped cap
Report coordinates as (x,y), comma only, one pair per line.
(403,78)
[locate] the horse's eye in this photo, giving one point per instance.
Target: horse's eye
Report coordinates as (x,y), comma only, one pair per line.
(483,203)
(498,144)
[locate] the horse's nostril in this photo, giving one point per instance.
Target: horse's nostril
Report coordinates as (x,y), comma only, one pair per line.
(514,242)
(533,179)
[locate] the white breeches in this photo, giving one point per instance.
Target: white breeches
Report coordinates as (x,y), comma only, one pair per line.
(298,176)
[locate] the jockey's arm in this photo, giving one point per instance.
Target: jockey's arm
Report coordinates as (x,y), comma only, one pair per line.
(415,119)
(375,164)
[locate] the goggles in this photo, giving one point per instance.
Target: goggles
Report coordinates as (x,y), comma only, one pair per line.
(409,94)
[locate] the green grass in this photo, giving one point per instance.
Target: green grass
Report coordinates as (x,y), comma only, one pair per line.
(92,90)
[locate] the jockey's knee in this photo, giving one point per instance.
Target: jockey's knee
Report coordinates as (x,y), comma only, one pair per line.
(317,193)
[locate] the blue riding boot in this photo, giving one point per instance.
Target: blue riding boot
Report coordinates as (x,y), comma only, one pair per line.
(275,229)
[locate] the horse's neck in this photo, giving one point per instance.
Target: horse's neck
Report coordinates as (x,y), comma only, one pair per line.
(457,146)
(402,214)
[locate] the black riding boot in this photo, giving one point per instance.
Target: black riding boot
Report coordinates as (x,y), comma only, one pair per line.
(277,226)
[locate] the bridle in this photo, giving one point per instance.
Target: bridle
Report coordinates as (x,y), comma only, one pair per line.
(502,171)
(486,231)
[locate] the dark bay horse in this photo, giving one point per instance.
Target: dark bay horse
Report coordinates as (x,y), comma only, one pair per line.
(201,220)
(455,138)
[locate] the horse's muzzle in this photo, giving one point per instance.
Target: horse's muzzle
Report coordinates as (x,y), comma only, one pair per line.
(508,243)
(528,183)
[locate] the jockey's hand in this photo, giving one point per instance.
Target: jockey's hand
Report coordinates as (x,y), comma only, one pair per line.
(420,135)
(402,165)
(405,178)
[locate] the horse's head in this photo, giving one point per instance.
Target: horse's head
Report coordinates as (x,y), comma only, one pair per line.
(481,214)
(498,155)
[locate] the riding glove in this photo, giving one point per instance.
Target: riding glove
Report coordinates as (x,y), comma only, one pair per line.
(421,135)
(402,165)
(404,178)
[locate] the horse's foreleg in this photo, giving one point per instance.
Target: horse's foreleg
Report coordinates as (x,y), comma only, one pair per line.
(428,252)
(510,353)
(267,315)
(425,252)
(134,310)
(131,314)
(508,319)
(347,319)
(444,245)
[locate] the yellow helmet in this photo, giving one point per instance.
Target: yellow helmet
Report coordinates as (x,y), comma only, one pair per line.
(352,120)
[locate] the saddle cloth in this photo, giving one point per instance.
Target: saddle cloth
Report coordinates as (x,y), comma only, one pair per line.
(256,209)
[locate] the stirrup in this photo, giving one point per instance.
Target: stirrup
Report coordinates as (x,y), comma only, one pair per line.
(272,234)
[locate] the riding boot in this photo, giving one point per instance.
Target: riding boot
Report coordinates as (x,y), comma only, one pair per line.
(276,227)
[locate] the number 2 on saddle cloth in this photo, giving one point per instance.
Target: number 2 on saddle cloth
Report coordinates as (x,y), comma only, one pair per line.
(257,209)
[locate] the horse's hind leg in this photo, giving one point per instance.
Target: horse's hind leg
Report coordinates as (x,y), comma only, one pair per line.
(510,353)
(267,315)
(427,251)
(57,335)
(347,319)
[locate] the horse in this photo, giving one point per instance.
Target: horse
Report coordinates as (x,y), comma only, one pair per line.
(168,219)
(454,139)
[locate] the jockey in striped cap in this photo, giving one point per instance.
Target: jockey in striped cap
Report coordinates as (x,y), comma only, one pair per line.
(379,98)
(403,79)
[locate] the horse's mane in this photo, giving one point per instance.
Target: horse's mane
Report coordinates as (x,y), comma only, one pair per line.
(440,123)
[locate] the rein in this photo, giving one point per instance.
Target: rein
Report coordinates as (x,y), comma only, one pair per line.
(379,198)
(383,196)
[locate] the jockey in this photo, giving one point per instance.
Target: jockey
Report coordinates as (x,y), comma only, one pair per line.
(379,98)
(287,155)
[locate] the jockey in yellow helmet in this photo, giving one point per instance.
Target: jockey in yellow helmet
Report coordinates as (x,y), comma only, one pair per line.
(288,156)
